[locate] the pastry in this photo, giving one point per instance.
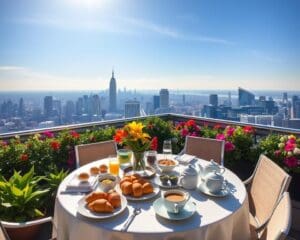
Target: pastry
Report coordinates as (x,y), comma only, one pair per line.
(114,199)
(101,205)
(135,177)
(126,188)
(137,189)
(125,179)
(141,181)
(94,170)
(83,176)
(103,168)
(95,195)
(147,188)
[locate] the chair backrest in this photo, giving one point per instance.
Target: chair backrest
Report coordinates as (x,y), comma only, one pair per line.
(268,184)
(205,148)
(87,153)
(3,233)
(280,223)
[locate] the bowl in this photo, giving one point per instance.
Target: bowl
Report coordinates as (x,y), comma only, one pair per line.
(167,165)
(107,182)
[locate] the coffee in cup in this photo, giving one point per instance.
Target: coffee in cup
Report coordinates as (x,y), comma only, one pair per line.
(175,200)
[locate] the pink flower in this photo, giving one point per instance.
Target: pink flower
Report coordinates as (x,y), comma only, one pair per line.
(230,131)
(291,141)
(291,161)
(184,132)
(248,129)
(194,134)
(48,134)
(289,147)
(277,153)
(229,147)
(75,134)
(220,136)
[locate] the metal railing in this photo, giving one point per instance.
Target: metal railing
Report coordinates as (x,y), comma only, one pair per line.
(260,130)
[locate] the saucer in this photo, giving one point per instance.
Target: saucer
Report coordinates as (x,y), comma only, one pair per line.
(188,210)
(222,193)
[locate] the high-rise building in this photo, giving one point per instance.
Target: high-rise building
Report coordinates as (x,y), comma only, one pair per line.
(213,100)
(95,105)
(246,98)
(21,108)
(297,109)
(229,99)
(48,106)
(295,99)
(156,102)
(132,109)
(164,98)
(112,94)
(69,111)
(285,97)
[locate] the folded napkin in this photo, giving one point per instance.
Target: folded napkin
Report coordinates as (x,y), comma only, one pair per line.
(75,185)
(185,158)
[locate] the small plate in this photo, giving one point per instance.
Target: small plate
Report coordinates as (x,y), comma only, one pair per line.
(148,173)
(156,191)
(84,211)
(188,210)
(224,192)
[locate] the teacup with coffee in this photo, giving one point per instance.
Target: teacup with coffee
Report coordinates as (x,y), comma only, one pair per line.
(175,200)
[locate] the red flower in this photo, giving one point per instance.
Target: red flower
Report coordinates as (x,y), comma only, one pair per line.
(55,145)
(291,161)
(154,144)
(184,132)
(75,134)
(220,136)
(190,123)
(217,127)
(229,147)
(48,134)
(248,129)
(119,135)
(289,146)
(230,131)
(24,157)
(277,153)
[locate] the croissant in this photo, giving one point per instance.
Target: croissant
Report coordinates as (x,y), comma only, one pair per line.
(137,189)
(101,205)
(94,196)
(147,188)
(114,199)
(126,188)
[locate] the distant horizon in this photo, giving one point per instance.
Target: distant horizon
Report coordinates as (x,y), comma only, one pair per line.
(68,45)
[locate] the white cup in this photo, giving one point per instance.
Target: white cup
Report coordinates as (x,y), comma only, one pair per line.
(175,200)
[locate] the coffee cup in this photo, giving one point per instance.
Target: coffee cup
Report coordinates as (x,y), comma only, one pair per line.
(175,200)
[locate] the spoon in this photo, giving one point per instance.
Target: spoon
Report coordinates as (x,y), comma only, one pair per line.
(136,212)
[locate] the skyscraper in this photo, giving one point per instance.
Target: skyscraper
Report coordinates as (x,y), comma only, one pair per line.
(112,94)
(246,98)
(156,103)
(164,98)
(132,109)
(48,106)
(213,99)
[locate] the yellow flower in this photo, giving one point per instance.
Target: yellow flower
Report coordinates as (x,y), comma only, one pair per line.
(292,137)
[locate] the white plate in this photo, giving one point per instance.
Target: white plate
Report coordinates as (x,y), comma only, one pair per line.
(84,211)
(224,192)
(188,210)
(156,191)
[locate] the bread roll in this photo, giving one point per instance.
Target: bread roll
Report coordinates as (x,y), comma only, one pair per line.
(137,189)
(147,188)
(103,168)
(125,179)
(114,199)
(95,195)
(135,177)
(141,181)
(94,170)
(126,188)
(101,205)
(83,176)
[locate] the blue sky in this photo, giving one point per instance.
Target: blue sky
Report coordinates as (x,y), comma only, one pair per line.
(211,44)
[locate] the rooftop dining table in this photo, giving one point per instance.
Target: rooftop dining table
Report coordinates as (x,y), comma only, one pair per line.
(215,217)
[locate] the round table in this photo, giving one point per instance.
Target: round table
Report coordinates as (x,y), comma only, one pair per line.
(215,218)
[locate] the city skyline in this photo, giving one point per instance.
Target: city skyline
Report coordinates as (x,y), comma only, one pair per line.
(72,45)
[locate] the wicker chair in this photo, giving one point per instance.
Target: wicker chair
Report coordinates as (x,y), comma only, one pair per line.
(204,148)
(280,223)
(87,153)
(265,187)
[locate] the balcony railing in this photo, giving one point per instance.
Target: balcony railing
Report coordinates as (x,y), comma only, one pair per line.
(260,130)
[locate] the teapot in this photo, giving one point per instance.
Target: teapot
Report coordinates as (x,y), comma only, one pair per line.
(210,168)
(214,182)
(189,177)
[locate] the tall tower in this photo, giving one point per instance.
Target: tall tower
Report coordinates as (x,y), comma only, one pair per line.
(164,98)
(113,94)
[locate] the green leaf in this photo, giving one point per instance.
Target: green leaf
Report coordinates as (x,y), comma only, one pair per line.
(16,191)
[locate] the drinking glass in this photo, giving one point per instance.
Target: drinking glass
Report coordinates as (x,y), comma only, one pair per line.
(167,148)
(151,157)
(124,157)
(114,165)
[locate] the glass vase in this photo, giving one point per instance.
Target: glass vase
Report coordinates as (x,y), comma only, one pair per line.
(138,162)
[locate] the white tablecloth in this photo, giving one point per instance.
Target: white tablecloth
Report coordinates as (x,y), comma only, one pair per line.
(216,218)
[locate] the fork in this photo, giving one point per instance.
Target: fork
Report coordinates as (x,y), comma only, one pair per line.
(136,211)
